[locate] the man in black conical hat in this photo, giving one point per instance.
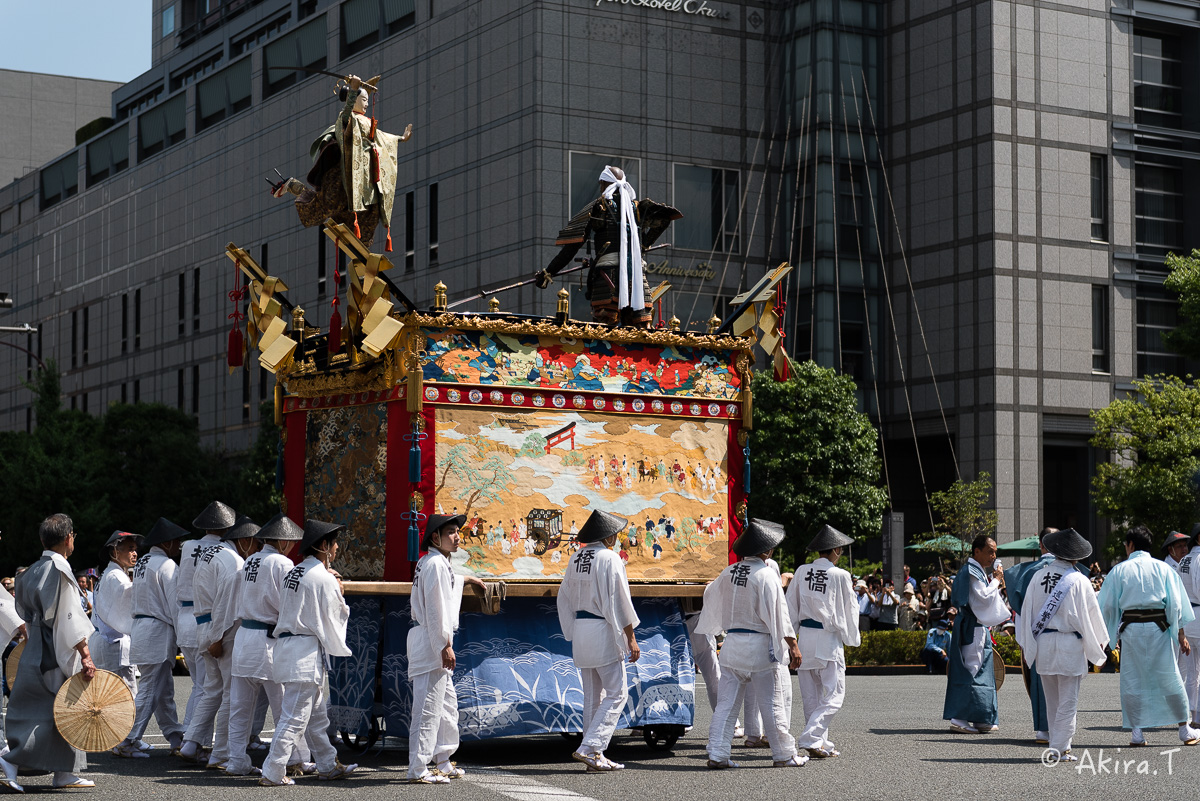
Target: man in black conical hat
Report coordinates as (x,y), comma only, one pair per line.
(596,613)
(747,602)
(824,612)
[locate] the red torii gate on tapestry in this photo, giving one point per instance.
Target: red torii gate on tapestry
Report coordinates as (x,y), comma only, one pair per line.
(563,434)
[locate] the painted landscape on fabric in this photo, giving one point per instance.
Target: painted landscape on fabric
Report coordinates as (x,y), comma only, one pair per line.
(526,479)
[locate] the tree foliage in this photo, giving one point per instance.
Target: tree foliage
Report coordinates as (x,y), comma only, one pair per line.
(964,516)
(1154,437)
(123,471)
(1184,280)
(813,457)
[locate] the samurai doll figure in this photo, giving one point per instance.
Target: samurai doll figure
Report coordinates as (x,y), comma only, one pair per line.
(621,228)
(353,177)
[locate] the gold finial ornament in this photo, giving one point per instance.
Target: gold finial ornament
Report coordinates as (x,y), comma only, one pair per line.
(564,302)
(714,323)
(674,323)
(494,305)
(298,321)
(439,297)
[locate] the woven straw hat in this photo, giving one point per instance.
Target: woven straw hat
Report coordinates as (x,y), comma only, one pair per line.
(14,659)
(94,715)
(998,669)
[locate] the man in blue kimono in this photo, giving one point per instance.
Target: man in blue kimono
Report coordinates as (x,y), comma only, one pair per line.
(1017,578)
(1145,605)
(971,684)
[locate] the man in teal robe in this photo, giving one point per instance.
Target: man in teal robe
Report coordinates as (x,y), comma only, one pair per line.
(971,683)
(1145,605)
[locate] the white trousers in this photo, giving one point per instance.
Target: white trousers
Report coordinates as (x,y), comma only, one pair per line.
(195,665)
(604,696)
(751,715)
(303,719)
(156,696)
(246,717)
(433,722)
(823,691)
(774,694)
(210,717)
(704,651)
(1062,700)
(1189,666)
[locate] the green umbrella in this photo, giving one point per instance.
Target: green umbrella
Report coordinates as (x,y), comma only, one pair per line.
(1024,547)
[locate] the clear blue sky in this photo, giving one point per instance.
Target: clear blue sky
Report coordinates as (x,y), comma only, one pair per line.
(104,39)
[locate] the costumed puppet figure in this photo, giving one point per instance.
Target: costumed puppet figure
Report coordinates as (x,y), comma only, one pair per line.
(436,602)
(216,582)
(47,598)
(595,611)
(311,628)
(1146,608)
(971,704)
(824,613)
(353,177)
(747,602)
(622,228)
(152,641)
(112,614)
(258,599)
(1061,629)
(214,521)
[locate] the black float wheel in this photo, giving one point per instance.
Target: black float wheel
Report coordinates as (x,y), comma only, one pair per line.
(360,743)
(539,547)
(661,738)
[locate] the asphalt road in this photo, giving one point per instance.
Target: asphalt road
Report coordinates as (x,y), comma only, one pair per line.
(893,742)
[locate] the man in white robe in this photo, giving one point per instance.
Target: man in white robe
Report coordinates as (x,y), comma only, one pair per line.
(10,625)
(1189,664)
(215,589)
(112,615)
(747,602)
(971,705)
(1061,629)
(47,599)
(311,629)
(595,611)
(824,612)
(1145,608)
(152,639)
(253,646)
(436,601)
(756,737)
(214,521)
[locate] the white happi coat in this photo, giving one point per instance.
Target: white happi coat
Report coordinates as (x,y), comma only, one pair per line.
(189,560)
(1189,574)
(314,613)
(10,621)
(436,601)
(112,614)
(988,606)
(748,595)
(595,582)
(152,638)
(1060,652)
(258,599)
(823,592)
(215,583)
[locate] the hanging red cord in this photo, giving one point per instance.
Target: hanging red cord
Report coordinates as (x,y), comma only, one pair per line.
(335,318)
(782,370)
(236,356)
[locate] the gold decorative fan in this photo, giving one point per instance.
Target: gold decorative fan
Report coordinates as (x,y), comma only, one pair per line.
(94,715)
(10,667)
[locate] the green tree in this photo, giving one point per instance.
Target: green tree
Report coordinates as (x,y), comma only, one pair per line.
(813,457)
(964,516)
(257,494)
(1153,435)
(1184,280)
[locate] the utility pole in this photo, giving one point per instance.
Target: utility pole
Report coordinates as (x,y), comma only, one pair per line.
(6,302)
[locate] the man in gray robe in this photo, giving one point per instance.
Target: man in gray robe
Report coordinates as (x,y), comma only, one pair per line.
(57,648)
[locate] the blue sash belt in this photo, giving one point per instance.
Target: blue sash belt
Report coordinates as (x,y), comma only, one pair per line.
(811,624)
(581,615)
(744,631)
(202,619)
(1078,636)
(186,603)
(258,625)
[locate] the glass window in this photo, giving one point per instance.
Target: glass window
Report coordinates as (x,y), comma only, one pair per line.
(108,155)
(222,95)
(1100,329)
(365,22)
(583,181)
(60,180)
(305,47)
(1099,200)
(162,126)
(168,21)
(1157,313)
(708,199)
(1158,213)
(1157,79)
